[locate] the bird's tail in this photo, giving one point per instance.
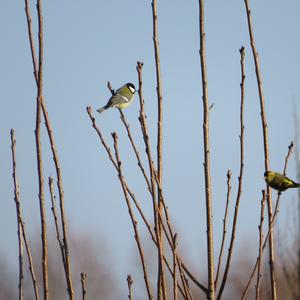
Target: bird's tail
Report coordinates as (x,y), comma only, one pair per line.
(100,110)
(295,184)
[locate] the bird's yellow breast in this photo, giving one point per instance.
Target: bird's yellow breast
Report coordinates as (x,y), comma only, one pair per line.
(124,104)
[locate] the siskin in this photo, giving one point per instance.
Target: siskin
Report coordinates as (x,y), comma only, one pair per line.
(279,182)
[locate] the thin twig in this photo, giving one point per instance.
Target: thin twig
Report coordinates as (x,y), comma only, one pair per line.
(240,178)
(266,147)
(129,283)
(39,152)
(144,128)
(19,216)
(206,148)
(260,228)
(224,227)
(30,261)
(185,293)
(132,217)
(161,289)
(153,236)
(123,119)
(53,208)
(52,142)
(31,41)
(180,263)
(161,284)
(146,139)
(68,273)
(175,244)
(190,296)
(83,280)
(153,175)
(290,149)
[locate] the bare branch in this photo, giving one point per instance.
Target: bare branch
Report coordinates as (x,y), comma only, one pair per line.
(135,149)
(174,266)
(153,236)
(68,272)
(53,208)
(266,146)
(206,148)
(83,280)
(155,203)
(239,192)
(39,152)
(129,283)
(19,216)
(31,41)
(224,227)
(260,228)
(38,78)
(133,219)
(161,284)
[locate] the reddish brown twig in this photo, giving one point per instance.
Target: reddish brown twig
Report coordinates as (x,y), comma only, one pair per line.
(224,227)
(179,261)
(68,273)
(206,148)
(19,216)
(153,175)
(39,152)
(146,139)
(185,293)
(129,283)
(153,236)
(155,202)
(132,217)
(144,128)
(290,150)
(260,228)
(136,152)
(53,208)
(37,73)
(266,146)
(83,280)
(175,244)
(161,285)
(239,192)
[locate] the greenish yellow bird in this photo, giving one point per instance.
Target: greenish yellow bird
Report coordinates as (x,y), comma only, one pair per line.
(279,182)
(122,98)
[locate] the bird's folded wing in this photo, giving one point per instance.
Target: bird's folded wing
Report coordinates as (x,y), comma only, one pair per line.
(117,99)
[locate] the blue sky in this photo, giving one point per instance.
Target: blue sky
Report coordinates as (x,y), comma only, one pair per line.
(87,44)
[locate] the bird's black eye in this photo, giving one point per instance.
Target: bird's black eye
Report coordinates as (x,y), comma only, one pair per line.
(266,174)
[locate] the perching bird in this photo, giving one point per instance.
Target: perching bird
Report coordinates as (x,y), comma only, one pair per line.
(122,98)
(279,182)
